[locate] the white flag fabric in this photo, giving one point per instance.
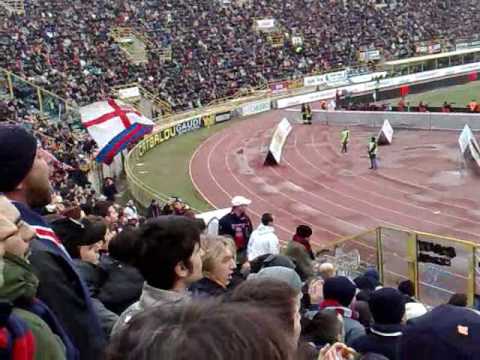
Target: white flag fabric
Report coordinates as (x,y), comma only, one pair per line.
(113,125)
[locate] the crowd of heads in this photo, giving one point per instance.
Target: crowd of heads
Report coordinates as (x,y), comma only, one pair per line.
(167,287)
(82,277)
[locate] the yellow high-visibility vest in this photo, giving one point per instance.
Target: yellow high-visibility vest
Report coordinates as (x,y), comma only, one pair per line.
(345,136)
(372,148)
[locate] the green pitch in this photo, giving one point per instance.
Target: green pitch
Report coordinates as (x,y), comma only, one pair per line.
(460,95)
(165,168)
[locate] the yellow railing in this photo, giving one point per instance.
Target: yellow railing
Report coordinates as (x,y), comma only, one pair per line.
(439,266)
(11,84)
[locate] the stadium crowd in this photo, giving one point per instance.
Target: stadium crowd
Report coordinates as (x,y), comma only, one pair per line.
(66,47)
(82,277)
(79,283)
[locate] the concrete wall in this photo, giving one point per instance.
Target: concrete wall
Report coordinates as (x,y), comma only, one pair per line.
(429,121)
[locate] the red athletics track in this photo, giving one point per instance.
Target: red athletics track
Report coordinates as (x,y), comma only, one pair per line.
(419,184)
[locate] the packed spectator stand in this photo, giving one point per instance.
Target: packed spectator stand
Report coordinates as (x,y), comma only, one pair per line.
(65,46)
(85,278)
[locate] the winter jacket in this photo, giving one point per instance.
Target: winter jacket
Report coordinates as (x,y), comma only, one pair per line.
(381,339)
(205,287)
(122,285)
(62,289)
(238,227)
(20,286)
(93,276)
(302,259)
(263,241)
(150,297)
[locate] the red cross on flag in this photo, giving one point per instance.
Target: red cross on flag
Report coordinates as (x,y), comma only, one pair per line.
(113,125)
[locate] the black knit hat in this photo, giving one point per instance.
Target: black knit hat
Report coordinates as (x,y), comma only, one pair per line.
(339,288)
(387,306)
(304,231)
(17,153)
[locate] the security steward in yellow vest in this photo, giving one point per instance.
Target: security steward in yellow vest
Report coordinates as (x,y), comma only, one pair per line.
(345,136)
(307,114)
(372,153)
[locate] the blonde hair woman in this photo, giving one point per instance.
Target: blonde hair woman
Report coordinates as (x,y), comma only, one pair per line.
(218,263)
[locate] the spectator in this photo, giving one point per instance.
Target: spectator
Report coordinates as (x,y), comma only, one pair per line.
(24,179)
(338,293)
(458,300)
(218,264)
(446,332)
(238,225)
(387,306)
(269,260)
(153,209)
(130,211)
(83,241)
(327,270)
(123,282)
(109,189)
(209,331)
(325,328)
(263,239)
(19,286)
(278,296)
(413,308)
(169,259)
(407,288)
(107,211)
(300,250)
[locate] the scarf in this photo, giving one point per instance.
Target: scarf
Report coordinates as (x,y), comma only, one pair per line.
(16,340)
(339,309)
(305,243)
(20,288)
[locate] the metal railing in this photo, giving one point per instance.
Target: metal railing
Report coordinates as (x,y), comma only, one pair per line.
(439,266)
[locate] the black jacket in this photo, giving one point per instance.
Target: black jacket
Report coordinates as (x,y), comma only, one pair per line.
(94,277)
(381,339)
(122,285)
(63,291)
(238,227)
(206,288)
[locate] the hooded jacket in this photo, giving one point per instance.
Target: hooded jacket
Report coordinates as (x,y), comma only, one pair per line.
(20,287)
(263,241)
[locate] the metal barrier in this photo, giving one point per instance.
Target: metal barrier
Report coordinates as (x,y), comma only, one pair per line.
(401,120)
(439,266)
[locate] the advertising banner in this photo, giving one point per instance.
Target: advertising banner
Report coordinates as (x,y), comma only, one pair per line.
(314,80)
(255,107)
(278,141)
(221,117)
(168,133)
(385,136)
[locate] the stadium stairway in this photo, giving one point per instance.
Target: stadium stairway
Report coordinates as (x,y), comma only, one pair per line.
(13,6)
(132,44)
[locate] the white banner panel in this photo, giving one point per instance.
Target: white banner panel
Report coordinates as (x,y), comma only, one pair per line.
(314,80)
(129,93)
(465,136)
(256,107)
(385,135)
(300,99)
(265,23)
(279,138)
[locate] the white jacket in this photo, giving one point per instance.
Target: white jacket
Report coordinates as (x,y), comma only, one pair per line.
(263,241)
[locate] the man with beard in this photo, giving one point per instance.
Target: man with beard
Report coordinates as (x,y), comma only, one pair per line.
(24,179)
